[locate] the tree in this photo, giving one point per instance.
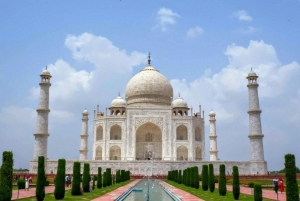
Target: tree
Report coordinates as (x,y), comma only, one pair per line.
(179,177)
(104,179)
(257,192)
(76,179)
(59,192)
(205,177)
(222,180)
(41,180)
(211,178)
(6,173)
(99,179)
(236,183)
(86,178)
(123,175)
(292,191)
(192,176)
(197,186)
(108,177)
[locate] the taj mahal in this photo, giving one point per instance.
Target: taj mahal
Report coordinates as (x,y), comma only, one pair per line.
(150,125)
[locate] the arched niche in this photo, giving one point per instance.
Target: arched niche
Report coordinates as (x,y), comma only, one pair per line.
(198,154)
(197,133)
(98,155)
(115,132)
(181,133)
(148,142)
(99,133)
(182,153)
(115,153)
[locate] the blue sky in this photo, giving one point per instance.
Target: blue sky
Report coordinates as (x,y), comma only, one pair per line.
(205,48)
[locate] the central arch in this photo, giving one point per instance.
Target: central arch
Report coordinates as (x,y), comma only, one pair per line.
(148,142)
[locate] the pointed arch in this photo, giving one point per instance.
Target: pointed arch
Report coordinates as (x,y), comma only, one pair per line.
(198,154)
(182,153)
(116,132)
(98,155)
(198,134)
(115,153)
(99,133)
(181,133)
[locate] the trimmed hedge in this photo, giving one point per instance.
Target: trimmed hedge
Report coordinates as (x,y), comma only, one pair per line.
(235,183)
(99,179)
(211,178)
(222,181)
(197,185)
(179,177)
(41,179)
(104,179)
(108,177)
(257,193)
(21,183)
(76,179)
(292,191)
(86,178)
(204,177)
(59,192)
(6,173)
(123,177)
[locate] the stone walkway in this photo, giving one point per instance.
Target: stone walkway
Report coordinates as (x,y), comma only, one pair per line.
(183,195)
(31,192)
(116,193)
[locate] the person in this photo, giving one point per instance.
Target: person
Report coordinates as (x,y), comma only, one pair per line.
(26,185)
(281,185)
(275,181)
(30,179)
(67,181)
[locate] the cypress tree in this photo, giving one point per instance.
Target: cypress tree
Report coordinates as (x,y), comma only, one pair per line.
(176,175)
(104,179)
(99,179)
(192,177)
(292,191)
(41,179)
(236,183)
(76,179)
(257,192)
(168,175)
(6,172)
(183,177)
(59,192)
(108,177)
(188,177)
(118,176)
(122,175)
(211,178)
(86,178)
(222,181)
(197,185)
(179,177)
(205,177)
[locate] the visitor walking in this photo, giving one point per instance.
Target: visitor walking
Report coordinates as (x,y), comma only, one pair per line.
(26,185)
(275,181)
(281,185)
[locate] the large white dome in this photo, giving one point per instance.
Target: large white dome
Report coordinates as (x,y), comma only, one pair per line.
(149,86)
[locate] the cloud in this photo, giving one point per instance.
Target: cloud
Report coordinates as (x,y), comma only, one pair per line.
(242,15)
(166,17)
(247,30)
(194,32)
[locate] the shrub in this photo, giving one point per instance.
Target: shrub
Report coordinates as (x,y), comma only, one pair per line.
(257,193)
(123,178)
(192,176)
(251,185)
(86,178)
(196,178)
(222,180)
(236,183)
(211,178)
(41,178)
(21,183)
(292,191)
(204,177)
(47,182)
(99,180)
(6,172)
(59,192)
(179,177)
(104,179)
(76,179)
(108,177)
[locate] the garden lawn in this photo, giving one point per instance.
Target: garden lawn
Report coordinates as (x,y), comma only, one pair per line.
(86,196)
(207,195)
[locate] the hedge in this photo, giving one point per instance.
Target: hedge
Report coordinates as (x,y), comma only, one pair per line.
(292,191)
(99,180)
(21,183)
(257,193)
(76,179)
(236,183)
(204,177)
(104,179)
(211,178)
(41,179)
(86,178)
(197,185)
(222,181)
(6,173)
(59,192)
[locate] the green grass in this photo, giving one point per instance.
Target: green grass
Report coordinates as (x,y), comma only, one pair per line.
(86,196)
(258,181)
(207,195)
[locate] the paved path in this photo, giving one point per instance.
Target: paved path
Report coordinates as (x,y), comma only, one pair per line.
(116,193)
(183,195)
(31,192)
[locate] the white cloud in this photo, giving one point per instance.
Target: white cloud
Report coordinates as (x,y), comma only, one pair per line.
(166,17)
(242,15)
(247,30)
(194,32)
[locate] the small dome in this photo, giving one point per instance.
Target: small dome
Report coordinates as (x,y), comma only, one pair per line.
(118,102)
(85,112)
(179,102)
(212,113)
(252,73)
(46,73)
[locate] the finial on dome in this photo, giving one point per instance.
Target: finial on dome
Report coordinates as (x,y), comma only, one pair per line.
(46,67)
(179,94)
(149,60)
(119,93)
(251,68)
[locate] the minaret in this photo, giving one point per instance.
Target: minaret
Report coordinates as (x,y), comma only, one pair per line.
(213,137)
(41,134)
(255,132)
(84,136)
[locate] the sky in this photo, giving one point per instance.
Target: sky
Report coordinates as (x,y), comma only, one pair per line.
(205,48)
